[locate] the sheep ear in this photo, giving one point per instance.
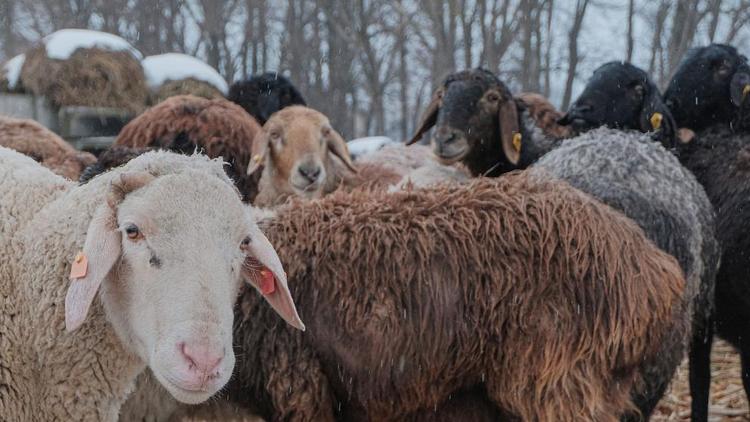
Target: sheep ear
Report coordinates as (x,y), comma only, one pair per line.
(101,250)
(655,116)
(429,118)
(337,146)
(510,135)
(259,152)
(739,88)
(263,270)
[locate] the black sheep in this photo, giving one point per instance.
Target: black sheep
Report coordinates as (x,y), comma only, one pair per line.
(621,96)
(499,127)
(262,95)
(708,87)
(713,102)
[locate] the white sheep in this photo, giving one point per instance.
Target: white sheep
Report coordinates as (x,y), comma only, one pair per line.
(156,251)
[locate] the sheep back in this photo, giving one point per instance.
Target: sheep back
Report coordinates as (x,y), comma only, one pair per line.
(186,123)
(638,177)
(30,138)
(547,297)
(720,160)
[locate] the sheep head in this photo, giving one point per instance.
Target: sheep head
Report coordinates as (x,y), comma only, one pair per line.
(167,255)
(621,96)
(475,119)
(296,148)
(262,95)
(710,86)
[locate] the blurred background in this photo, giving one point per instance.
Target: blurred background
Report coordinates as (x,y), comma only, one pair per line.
(372,64)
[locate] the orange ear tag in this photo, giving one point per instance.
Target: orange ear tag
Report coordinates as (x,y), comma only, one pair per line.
(80,266)
(267,282)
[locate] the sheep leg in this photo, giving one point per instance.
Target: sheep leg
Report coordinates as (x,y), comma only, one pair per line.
(700,372)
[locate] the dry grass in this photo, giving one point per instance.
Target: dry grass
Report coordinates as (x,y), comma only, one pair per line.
(728,401)
(187,86)
(90,77)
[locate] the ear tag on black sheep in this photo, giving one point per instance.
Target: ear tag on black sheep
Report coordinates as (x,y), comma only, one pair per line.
(80,266)
(745,91)
(517,142)
(256,158)
(267,282)
(656,119)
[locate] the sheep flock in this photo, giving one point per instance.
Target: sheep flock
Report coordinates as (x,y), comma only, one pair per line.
(229,258)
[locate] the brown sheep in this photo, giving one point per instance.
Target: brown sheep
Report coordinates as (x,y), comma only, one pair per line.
(295,152)
(184,123)
(30,138)
(527,289)
(545,115)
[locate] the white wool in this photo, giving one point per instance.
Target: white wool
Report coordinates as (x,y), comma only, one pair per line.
(176,66)
(62,44)
(361,146)
(12,70)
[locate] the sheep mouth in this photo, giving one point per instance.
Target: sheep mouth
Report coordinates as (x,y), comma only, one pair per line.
(306,189)
(452,153)
(450,159)
(185,394)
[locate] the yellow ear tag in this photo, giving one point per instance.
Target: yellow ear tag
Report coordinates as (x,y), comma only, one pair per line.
(656,119)
(745,91)
(517,142)
(80,266)
(256,158)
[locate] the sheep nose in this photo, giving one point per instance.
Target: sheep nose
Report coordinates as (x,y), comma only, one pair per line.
(445,136)
(310,171)
(202,358)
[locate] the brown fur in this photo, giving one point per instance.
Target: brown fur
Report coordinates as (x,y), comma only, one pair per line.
(188,86)
(545,115)
(529,288)
(30,138)
(217,127)
(112,157)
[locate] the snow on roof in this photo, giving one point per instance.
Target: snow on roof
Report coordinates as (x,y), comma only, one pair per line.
(366,145)
(176,66)
(61,44)
(12,70)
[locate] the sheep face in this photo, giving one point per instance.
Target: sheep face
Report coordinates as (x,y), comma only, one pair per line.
(170,268)
(295,145)
(474,117)
(621,96)
(708,87)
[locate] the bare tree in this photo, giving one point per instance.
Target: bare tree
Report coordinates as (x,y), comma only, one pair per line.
(631,42)
(575,30)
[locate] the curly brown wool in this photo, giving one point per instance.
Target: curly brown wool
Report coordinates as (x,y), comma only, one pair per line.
(526,289)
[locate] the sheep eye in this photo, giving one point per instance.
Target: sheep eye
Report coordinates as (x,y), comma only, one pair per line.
(326,131)
(639,90)
(245,243)
(493,97)
(133,232)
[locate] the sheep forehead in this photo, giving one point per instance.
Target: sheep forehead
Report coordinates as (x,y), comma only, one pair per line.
(185,205)
(295,114)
